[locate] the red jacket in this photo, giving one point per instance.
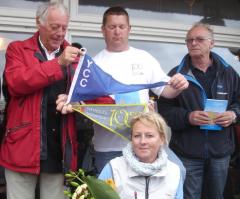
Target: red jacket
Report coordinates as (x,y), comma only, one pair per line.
(26,78)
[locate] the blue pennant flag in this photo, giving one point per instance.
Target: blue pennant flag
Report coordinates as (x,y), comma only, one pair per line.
(91,82)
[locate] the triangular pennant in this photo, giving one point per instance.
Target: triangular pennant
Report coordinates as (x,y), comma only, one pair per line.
(90,82)
(114,117)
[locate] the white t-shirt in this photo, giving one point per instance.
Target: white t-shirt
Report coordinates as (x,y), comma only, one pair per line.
(133,66)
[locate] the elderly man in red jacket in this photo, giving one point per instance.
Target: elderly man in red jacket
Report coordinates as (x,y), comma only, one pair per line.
(37,70)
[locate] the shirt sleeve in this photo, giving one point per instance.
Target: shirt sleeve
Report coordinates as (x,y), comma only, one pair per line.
(158,75)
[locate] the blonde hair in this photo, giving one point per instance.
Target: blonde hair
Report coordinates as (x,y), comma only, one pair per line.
(155,119)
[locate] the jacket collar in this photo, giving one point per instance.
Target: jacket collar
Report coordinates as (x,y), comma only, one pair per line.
(184,66)
(32,43)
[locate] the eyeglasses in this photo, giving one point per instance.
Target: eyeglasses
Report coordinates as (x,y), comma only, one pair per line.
(196,39)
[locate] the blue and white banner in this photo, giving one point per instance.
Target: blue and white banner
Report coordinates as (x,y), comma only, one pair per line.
(91,82)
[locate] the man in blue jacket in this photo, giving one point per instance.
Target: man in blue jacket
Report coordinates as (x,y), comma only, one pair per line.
(204,153)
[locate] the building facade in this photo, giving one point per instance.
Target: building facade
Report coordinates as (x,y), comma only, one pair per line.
(158,26)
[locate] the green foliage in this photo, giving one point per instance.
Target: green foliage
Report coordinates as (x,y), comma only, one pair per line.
(87,187)
(100,189)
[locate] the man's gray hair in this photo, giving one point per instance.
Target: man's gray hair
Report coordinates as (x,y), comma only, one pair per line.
(204,25)
(43,9)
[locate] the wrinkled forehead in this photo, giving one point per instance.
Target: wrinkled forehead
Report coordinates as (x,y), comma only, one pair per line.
(56,12)
(198,31)
(56,17)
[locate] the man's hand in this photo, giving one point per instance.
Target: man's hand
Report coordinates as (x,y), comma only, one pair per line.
(225,119)
(151,106)
(176,85)
(69,55)
(62,106)
(178,82)
(198,118)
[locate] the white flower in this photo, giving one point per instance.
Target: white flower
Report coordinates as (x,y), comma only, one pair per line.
(86,193)
(84,186)
(74,196)
(78,190)
(82,197)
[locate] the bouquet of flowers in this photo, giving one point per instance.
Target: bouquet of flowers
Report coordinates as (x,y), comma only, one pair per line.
(81,186)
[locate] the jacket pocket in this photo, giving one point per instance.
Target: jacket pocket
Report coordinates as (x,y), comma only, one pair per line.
(20,147)
(18,132)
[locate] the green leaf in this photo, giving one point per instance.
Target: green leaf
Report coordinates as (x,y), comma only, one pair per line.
(72,173)
(75,184)
(100,189)
(81,173)
(67,193)
(68,175)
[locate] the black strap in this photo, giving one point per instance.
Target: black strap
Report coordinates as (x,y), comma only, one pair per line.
(147,178)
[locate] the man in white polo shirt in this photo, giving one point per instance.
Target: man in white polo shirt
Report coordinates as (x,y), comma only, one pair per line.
(129,66)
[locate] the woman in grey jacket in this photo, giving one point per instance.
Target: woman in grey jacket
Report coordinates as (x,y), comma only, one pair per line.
(145,170)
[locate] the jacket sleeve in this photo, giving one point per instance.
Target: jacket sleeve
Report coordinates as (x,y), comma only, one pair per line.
(235,101)
(179,193)
(25,74)
(106,173)
(175,115)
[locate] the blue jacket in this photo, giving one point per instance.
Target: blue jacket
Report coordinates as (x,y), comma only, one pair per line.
(190,141)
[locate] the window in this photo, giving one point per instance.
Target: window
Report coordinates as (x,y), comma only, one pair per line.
(215,12)
(29,4)
(168,54)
